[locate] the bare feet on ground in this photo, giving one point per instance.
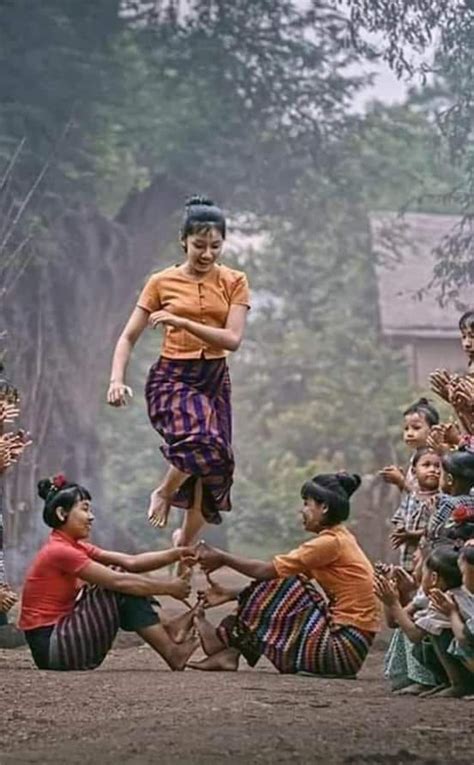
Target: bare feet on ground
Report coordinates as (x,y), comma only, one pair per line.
(224,661)
(179,629)
(180,654)
(210,641)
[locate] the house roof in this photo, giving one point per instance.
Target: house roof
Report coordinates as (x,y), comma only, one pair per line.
(405,259)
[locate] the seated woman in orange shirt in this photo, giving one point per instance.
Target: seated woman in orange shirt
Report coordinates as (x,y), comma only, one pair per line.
(203,307)
(283,615)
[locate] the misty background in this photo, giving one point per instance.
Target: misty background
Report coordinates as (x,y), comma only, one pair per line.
(302,120)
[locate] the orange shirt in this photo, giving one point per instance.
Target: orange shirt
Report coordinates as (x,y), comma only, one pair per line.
(206,301)
(335,560)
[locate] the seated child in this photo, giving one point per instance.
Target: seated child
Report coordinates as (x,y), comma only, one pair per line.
(459,609)
(429,627)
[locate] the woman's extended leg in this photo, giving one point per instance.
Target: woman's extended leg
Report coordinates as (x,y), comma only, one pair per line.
(160,498)
(226,660)
(210,640)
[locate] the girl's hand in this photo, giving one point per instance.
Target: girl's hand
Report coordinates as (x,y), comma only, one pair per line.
(8,598)
(8,412)
(399,537)
(393,474)
(117,393)
(443,602)
(404,581)
(386,591)
(439,383)
(208,557)
(180,588)
(165,317)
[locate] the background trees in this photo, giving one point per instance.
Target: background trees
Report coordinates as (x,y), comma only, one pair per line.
(114,114)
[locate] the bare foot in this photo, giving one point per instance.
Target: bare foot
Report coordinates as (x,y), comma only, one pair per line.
(433,691)
(413,690)
(216,595)
(158,509)
(179,629)
(210,640)
(181,653)
(225,661)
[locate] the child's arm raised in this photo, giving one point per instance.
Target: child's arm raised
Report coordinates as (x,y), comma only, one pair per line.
(387,592)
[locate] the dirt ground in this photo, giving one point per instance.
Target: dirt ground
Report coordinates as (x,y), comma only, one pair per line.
(134,710)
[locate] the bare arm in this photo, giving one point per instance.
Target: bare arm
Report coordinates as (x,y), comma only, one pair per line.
(210,559)
(149,561)
(133,584)
(134,327)
(401,617)
(228,338)
(458,627)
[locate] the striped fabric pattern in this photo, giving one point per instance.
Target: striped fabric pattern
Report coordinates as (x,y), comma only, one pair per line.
(288,621)
(189,404)
(82,639)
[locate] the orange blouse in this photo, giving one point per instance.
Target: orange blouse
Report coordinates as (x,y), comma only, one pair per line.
(334,559)
(206,301)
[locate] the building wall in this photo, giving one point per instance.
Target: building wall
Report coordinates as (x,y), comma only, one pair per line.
(427,354)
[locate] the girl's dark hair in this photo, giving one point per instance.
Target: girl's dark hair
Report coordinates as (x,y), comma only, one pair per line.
(425,409)
(58,492)
(467,320)
(443,560)
(460,532)
(460,464)
(419,453)
(334,490)
(201,214)
(467,554)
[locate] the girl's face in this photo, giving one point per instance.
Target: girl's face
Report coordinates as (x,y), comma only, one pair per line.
(467,340)
(428,471)
(415,430)
(79,520)
(313,514)
(467,571)
(429,579)
(202,250)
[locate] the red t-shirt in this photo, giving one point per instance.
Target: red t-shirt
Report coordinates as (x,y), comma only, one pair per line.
(52,580)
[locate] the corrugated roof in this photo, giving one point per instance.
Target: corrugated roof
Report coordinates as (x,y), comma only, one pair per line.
(403,246)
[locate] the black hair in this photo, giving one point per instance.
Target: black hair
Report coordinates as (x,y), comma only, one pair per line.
(460,464)
(467,320)
(201,214)
(419,453)
(334,490)
(425,409)
(58,492)
(443,560)
(460,532)
(467,554)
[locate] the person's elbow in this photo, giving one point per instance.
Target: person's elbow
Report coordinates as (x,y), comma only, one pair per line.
(233,342)
(131,564)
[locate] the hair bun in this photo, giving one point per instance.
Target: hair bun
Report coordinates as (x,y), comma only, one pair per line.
(349,483)
(44,487)
(199,200)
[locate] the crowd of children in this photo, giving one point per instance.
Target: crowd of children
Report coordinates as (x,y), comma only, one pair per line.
(429,596)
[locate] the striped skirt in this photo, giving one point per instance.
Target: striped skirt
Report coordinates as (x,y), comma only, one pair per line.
(288,621)
(82,639)
(189,404)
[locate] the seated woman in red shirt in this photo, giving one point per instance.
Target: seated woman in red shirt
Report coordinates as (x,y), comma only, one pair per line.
(323,630)
(73,603)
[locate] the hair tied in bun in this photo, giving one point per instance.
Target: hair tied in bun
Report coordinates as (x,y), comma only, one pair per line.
(59,481)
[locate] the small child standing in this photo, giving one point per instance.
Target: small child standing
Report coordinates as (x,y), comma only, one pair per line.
(418,420)
(412,517)
(456,491)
